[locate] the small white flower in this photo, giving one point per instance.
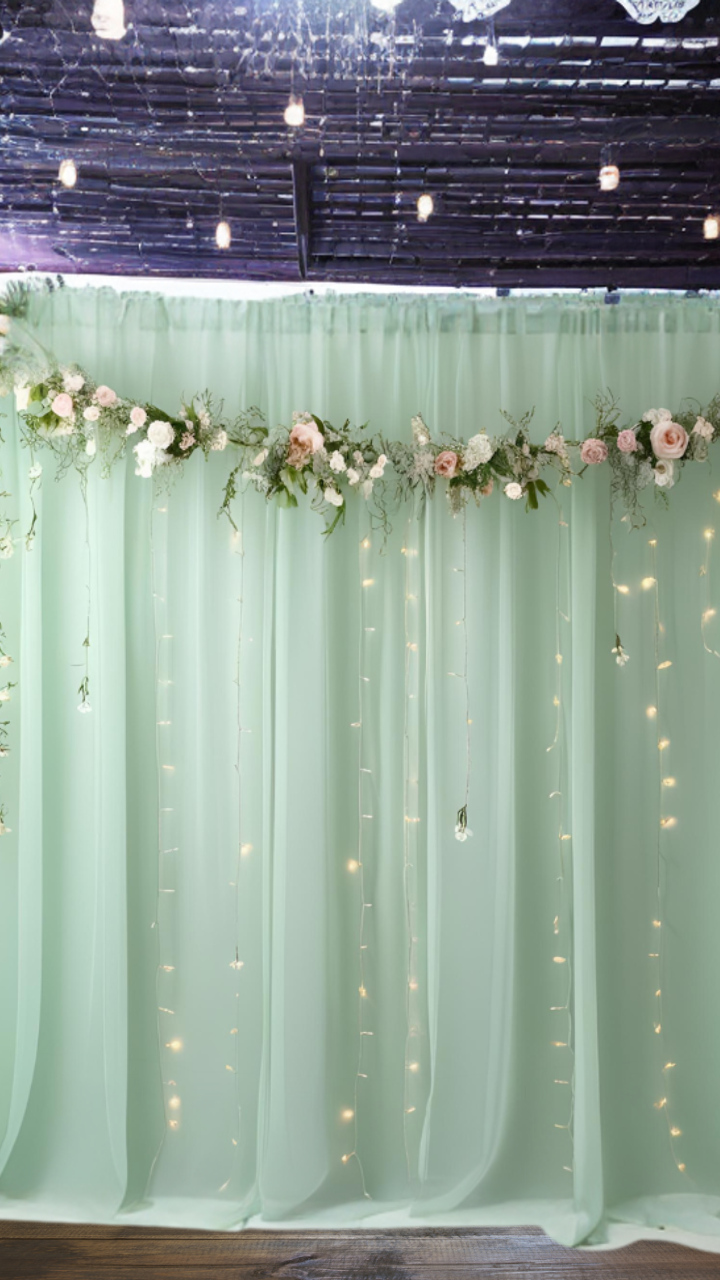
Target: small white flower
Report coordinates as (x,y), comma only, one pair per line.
(367,488)
(5,694)
(35,471)
(664,473)
(376,472)
(703,428)
(478,450)
(358,457)
(352,475)
(73,382)
(656,415)
(4,831)
(6,547)
(5,659)
(146,453)
(91,448)
(332,496)
(92,413)
(513,490)
(621,657)
(382,460)
(22,398)
(204,419)
(462,833)
(84,708)
(258,461)
(220,441)
(159,433)
(130,429)
(337,462)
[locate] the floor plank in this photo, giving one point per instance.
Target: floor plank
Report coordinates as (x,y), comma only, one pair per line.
(45,1251)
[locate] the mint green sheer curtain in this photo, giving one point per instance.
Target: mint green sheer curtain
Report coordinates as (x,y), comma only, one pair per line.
(238,938)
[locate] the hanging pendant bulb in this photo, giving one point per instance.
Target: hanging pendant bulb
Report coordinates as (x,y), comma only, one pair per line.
(294,114)
(425,207)
(67,173)
(385,6)
(609,177)
(223,235)
(491,56)
(711,227)
(108,19)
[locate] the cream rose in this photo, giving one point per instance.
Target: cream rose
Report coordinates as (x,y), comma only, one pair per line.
(513,490)
(594,451)
(446,464)
(668,439)
(160,434)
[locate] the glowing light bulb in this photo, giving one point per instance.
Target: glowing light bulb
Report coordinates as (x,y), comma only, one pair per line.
(363,992)
(662,1103)
(711,227)
(223,235)
(708,534)
(245,849)
(668,822)
(174,1103)
(651,713)
(347,1114)
(368,582)
(676,1133)
(175,1045)
(491,56)
(174,1124)
(425,207)
(108,19)
(669,782)
(647,583)
(609,177)
(681,1167)
(294,113)
(353,865)
(559,959)
(67,173)
(668,1066)
(365,543)
(624,591)
(663,744)
(413,1066)
(708,614)
(346,1158)
(657,924)
(657,1028)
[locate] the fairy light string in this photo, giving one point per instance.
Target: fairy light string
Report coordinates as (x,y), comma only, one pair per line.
(411,821)
(562,929)
(170,1044)
(665,827)
(356,866)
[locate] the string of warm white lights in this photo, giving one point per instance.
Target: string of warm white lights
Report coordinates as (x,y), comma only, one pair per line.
(667,822)
(411,821)
(169,1042)
(356,866)
(243,849)
(562,939)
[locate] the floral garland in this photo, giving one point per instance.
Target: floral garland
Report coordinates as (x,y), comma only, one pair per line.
(62,409)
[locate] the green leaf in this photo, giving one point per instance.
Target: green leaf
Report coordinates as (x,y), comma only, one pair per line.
(541,487)
(532,500)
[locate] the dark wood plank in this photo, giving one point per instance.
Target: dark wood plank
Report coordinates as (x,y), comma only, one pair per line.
(47,1251)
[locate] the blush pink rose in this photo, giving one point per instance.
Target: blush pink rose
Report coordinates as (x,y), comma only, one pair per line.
(594,451)
(62,405)
(446,464)
(105,397)
(487,489)
(627,441)
(305,439)
(668,439)
(138,416)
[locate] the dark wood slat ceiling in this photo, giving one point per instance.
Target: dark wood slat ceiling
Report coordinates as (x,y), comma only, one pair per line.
(181,123)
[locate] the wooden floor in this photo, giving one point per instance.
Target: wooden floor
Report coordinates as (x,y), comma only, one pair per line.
(43,1252)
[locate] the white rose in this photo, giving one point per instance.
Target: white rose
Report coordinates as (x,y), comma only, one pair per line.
(160,434)
(352,475)
(220,441)
(22,398)
(656,415)
(6,547)
(703,428)
(91,448)
(5,694)
(376,472)
(337,462)
(367,488)
(92,413)
(73,382)
(665,473)
(513,490)
(332,496)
